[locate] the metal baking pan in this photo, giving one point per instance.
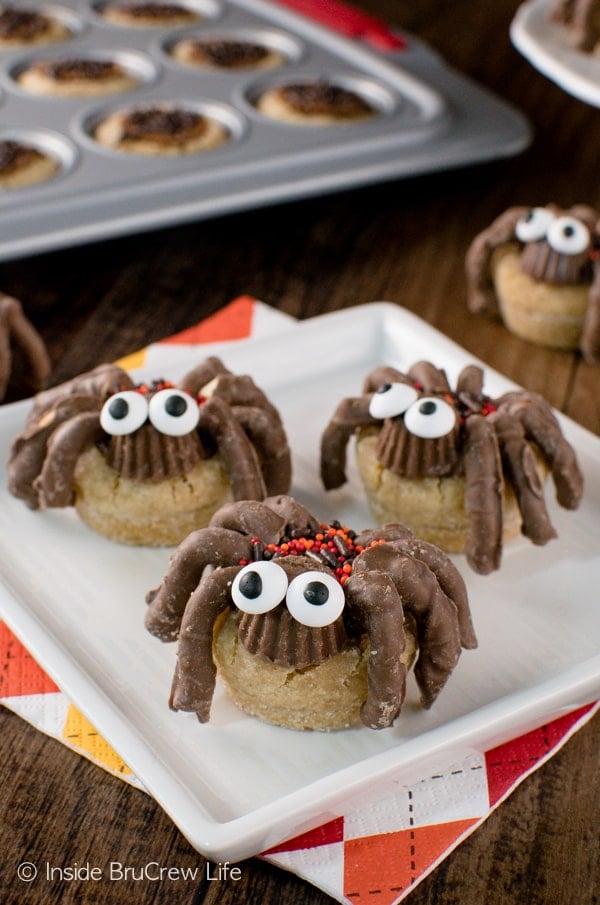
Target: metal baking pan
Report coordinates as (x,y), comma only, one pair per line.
(429,118)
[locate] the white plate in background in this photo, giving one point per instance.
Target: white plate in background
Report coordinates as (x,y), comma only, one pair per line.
(236,786)
(546,45)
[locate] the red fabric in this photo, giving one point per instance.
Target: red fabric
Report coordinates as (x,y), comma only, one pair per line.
(348,21)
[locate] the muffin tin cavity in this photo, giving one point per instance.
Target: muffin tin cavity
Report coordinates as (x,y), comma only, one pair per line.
(138,14)
(61,152)
(65,26)
(230,127)
(45,75)
(232,52)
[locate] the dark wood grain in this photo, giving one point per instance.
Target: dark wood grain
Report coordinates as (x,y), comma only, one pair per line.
(404,242)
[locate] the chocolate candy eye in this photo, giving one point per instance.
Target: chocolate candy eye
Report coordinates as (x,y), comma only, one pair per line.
(568,236)
(173,412)
(391,399)
(259,587)
(123,413)
(429,418)
(534,225)
(315,599)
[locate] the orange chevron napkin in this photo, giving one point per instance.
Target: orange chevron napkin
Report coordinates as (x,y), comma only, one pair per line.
(374,853)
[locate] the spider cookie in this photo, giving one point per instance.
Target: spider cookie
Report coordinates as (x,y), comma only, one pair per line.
(224,53)
(541,268)
(17,332)
(316,103)
(461,469)
(146,464)
(160,131)
(76,78)
(582,18)
(310,626)
(150,15)
(22,27)
(21,165)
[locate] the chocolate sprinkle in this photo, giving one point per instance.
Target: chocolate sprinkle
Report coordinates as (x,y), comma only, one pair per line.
(230,54)
(153,10)
(325,98)
(65,70)
(22,24)
(13,154)
(141,124)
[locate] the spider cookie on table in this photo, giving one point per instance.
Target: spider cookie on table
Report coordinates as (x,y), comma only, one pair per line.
(462,469)
(22,164)
(541,268)
(76,77)
(314,103)
(226,53)
(309,625)
(582,18)
(145,464)
(18,333)
(149,15)
(28,27)
(163,131)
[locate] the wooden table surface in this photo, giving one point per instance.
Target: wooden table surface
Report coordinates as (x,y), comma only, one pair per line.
(404,242)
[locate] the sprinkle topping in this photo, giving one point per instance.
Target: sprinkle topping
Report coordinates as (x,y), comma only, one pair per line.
(332,546)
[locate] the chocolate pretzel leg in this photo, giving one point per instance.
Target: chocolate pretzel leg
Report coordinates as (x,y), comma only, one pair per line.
(265,431)
(14,325)
(214,546)
(432,379)
(349,415)
(380,612)
(381,376)
(521,470)
(481,293)
(484,494)
(217,419)
(450,581)
(542,427)
(55,483)
(198,377)
(195,673)
(590,334)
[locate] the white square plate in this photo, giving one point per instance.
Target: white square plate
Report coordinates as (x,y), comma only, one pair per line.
(546,45)
(237,786)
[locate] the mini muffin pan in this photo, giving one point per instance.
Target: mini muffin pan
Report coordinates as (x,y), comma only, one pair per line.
(426,118)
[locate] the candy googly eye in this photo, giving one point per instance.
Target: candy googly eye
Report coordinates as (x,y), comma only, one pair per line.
(124,413)
(259,587)
(173,412)
(391,399)
(430,418)
(568,236)
(315,599)
(534,225)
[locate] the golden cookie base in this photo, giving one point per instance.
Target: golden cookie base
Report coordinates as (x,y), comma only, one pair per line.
(109,133)
(322,698)
(38,170)
(38,83)
(539,312)
(433,508)
(148,513)
(273,105)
